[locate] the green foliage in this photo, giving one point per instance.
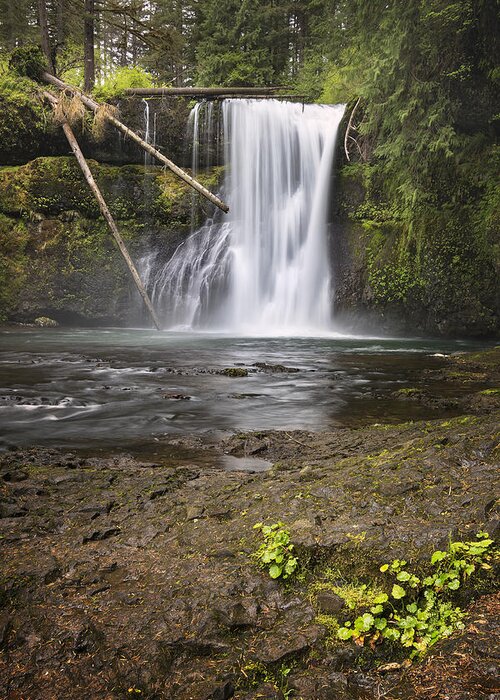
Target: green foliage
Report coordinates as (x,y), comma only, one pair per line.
(122,79)
(425,72)
(20,91)
(254,673)
(418,612)
(25,121)
(276,552)
(28,61)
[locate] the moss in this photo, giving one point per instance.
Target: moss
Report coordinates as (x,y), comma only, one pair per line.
(410,391)
(234,372)
(54,185)
(57,256)
(435,266)
(25,121)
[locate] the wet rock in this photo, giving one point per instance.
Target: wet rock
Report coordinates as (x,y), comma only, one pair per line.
(15,475)
(399,488)
(44,568)
(225,691)
(11,510)
(223,554)
(143,537)
(98,509)
(194,511)
(314,685)
(302,532)
(158,493)
(238,615)
(492,527)
(329,602)
(234,372)
(294,634)
(188,648)
(265,691)
(363,683)
(176,397)
(278,369)
(99,535)
(331,538)
(67,478)
(306,474)
(87,640)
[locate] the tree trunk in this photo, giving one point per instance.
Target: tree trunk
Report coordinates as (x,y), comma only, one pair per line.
(94,106)
(106,213)
(44,33)
(88,46)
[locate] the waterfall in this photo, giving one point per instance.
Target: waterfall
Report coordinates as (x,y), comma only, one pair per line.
(148,158)
(264,267)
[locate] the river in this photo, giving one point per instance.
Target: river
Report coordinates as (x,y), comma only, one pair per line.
(122,389)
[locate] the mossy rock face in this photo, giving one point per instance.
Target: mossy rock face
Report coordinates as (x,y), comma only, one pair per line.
(27,129)
(436,275)
(57,256)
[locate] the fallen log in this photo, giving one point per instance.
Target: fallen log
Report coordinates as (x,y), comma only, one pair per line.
(94,106)
(231,96)
(203,91)
(68,131)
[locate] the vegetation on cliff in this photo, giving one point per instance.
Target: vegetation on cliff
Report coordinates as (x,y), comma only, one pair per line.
(56,255)
(427,158)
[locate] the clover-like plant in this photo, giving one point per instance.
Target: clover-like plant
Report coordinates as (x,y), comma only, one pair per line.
(417,613)
(276,553)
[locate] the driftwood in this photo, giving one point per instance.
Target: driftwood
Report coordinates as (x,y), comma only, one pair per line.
(94,106)
(68,131)
(203,91)
(348,130)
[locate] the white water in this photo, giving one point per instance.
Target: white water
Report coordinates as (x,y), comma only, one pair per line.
(264,268)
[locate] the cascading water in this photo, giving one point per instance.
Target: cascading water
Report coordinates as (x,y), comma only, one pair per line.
(263,268)
(149,134)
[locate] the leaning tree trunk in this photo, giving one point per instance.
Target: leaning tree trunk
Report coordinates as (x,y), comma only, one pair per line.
(88,46)
(68,131)
(94,106)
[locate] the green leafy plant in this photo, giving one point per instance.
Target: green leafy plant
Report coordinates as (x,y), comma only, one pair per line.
(120,80)
(276,552)
(419,612)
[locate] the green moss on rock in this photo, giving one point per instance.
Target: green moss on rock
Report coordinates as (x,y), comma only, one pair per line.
(57,257)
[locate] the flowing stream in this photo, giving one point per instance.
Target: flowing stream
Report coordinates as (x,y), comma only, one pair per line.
(123,388)
(263,269)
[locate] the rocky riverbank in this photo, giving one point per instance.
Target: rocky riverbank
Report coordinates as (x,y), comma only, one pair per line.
(128,578)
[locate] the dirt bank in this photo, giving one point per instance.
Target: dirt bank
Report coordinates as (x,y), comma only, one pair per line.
(122,578)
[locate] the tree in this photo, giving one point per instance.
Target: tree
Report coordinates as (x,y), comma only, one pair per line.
(88,45)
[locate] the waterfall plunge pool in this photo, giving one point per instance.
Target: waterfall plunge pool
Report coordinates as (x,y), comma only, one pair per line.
(116,389)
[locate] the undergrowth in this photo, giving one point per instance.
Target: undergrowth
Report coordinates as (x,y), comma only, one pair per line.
(419,611)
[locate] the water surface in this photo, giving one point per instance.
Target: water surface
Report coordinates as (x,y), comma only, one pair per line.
(117,388)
